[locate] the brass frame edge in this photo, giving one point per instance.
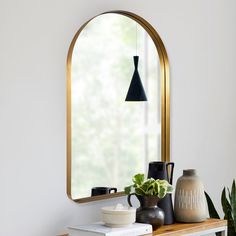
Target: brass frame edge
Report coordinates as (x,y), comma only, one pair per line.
(165,100)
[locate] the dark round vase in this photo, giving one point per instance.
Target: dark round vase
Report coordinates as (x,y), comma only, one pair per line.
(149,212)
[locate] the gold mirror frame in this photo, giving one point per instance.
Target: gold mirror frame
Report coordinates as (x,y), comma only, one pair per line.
(165,99)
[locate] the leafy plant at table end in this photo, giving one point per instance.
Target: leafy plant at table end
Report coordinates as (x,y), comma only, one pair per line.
(228,202)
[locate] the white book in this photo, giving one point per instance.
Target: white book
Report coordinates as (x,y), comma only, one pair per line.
(99,229)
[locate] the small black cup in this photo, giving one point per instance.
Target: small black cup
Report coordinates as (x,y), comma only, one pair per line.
(102,190)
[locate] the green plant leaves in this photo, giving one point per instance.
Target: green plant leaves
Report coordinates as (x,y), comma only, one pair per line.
(229,208)
(138,179)
(170,188)
(211,208)
(228,212)
(139,191)
(226,205)
(128,189)
(163,191)
(233,202)
(212,211)
(150,187)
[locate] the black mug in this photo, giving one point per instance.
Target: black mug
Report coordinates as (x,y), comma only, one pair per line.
(102,190)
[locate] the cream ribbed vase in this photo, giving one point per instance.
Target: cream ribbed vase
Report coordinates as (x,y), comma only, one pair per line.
(190,203)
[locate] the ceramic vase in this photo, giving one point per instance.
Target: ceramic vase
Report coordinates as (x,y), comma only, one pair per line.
(190,203)
(159,170)
(148,212)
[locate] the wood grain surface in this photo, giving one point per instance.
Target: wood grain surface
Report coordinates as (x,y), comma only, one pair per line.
(179,229)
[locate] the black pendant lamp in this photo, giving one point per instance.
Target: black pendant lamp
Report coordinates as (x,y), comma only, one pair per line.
(136,91)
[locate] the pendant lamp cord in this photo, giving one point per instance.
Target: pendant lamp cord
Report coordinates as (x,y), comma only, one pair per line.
(136,38)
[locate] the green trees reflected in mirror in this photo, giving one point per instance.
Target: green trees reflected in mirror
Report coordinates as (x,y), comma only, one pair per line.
(111,139)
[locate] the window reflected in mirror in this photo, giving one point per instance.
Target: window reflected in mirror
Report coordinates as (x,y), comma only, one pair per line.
(111,140)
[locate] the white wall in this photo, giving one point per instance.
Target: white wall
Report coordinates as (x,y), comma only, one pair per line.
(200,38)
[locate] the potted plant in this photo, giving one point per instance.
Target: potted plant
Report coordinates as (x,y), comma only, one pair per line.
(148,192)
(228,202)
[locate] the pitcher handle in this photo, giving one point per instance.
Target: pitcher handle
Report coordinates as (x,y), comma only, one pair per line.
(129,198)
(170,177)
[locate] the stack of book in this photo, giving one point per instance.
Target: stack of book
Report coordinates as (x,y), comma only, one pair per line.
(99,229)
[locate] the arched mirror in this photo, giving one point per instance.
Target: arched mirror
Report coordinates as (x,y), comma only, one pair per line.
(109,139)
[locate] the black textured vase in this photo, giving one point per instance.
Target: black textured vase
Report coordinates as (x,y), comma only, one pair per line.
(159,170)
(149,212)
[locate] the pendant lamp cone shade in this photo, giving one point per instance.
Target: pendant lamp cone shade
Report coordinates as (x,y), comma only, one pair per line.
(136,91)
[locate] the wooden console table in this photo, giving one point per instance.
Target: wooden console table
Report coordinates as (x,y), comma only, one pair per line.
(193,229)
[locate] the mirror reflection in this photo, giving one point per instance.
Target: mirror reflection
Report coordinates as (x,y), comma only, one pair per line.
(112,139)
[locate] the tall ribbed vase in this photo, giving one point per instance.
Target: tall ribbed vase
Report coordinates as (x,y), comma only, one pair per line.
(190,203)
